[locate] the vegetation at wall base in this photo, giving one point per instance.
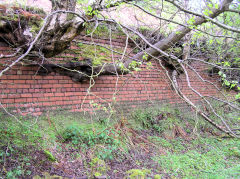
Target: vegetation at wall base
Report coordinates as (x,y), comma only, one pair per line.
(156,142)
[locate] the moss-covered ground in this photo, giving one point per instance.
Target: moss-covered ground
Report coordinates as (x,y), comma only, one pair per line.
(159,142)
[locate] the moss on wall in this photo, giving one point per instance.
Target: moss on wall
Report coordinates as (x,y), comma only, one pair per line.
(99,55)
(103,31)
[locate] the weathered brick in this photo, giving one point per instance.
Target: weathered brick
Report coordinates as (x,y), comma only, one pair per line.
(21,85)
(20,100)
(48,94)
(6,101)
(26,95)
(47,85)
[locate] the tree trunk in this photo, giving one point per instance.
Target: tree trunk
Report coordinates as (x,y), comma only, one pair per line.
(61,30)
(181,32)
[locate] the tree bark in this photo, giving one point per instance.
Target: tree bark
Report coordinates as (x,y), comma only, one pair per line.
(61,29)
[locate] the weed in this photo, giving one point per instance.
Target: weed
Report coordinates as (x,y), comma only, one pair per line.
(88,138)
(17,134)
(160,141)
(157,120)
(157,176)
(101,144)
(98,167)
(50,156)
(48,176)
(15,173)
(137,173)
(211,158)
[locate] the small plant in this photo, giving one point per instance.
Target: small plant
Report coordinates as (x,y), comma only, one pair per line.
(15,173)
(79,135)
(155,119)
(88,138)
(48,176)
(157,176)
(50,156)
(98,167)
(217,159)
(137,173)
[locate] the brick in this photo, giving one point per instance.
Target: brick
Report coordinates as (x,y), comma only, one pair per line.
(47,86)
(59,94)
(30,81)
(66,85)
(48,103)
(6,81)
(48,90)
(20,100)
(48,94)
(6,101)
(37,77)
(30,100)
(24,86)
(37,95)
(64,81)
(59,103)
(69,94)
(25,90)
(67,102)
(53,81)
(26,77)
(3,96)
(43,99)
(26,95)
(43,81)
(53,90)
(5,48)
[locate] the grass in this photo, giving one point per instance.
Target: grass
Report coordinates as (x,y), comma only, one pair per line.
(202,158)
(155,142)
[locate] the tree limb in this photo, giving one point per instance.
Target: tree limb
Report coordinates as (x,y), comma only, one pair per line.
(181,32)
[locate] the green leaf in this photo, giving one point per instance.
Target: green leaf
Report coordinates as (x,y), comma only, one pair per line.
(232,86)
(210,5)
(227,83)
(145,56)
(90,8)
(50,156)
(237,96)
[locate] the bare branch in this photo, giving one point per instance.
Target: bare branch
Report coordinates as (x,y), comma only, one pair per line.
(181,32)
(208,18)
(233,10)
(11,55)
(180,24)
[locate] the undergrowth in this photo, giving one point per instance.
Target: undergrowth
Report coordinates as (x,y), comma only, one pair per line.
(88,136)
(203,158)
(150,143)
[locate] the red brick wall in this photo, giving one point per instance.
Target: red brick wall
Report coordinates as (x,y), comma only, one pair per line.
(22,91)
